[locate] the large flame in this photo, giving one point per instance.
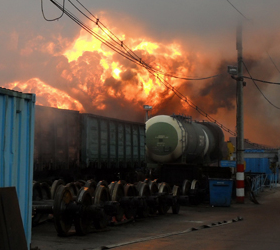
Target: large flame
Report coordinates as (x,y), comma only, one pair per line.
(96,77)
(127,81)
(46,94)
(84,74)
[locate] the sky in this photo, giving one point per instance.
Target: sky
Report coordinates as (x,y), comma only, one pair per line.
(195,39)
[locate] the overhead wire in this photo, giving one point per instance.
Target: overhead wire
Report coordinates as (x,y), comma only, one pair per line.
(54,19)
(134,58)
(272,61)
(266,51)
(259,88)
(130,52)
(192,105)
(258,80)
(238,11)
(96,35)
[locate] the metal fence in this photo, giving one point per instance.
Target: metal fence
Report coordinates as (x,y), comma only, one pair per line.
(260,181)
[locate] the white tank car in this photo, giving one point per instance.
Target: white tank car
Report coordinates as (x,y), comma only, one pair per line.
(176,138)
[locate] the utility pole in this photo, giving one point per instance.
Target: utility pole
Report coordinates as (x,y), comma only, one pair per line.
(147,108)
(239,120)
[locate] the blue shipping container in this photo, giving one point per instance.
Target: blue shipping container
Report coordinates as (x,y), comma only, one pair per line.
(220,192)
(17,146)
(257,165)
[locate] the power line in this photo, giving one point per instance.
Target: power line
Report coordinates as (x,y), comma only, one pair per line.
(259,88)
(257,80)
(238,10)
(250,20)
(121,45)
(134,58)
(192,105)
(272,61)
(54,19)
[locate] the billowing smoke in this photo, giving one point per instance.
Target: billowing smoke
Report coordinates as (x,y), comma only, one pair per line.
(69,69)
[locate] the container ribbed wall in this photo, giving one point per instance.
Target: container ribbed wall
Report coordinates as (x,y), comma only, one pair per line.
(17,146)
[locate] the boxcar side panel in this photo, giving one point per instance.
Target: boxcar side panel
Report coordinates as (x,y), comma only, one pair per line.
(57,139)
(142,140)
(104,140)
(121,147)
(135,143)
(128,143)
(111,143)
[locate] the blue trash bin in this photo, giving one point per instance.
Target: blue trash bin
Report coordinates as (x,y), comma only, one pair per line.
(220,192)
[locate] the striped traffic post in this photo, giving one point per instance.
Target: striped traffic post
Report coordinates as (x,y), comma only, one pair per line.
(240,193)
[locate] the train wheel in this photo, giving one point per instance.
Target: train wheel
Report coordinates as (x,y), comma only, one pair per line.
(144,191)
(194,192)
(117,194)
(37,192)
(37,195)
(83,219)
(78,185)
(91,185)
(163,206)
(153,187)
(103,183)
(46,195)
(82,182)
(154,191)
(102,194)
(73,188)
(176,205)
(54,187)
(131,191)
(147,180)
(186,187)
(111,187)
(46,192)
(62,220)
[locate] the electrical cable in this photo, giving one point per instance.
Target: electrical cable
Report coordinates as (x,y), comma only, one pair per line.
(238,10)
(266,51)
(272,61)
(192,105)
(89,30)
(57,18)
(259,88)
(143,64)
(127,50)
(257,80)
(123,50)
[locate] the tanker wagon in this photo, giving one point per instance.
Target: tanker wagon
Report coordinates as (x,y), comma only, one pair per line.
(186,153)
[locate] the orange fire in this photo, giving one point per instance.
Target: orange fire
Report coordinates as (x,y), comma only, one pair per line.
(95,73)
(143,86)
(46,94)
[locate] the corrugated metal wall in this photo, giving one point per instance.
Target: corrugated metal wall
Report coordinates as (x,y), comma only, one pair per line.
(17,145)
(257,165)
(57,139)
(112,142)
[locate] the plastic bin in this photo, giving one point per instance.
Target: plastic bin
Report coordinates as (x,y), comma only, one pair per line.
(220,192)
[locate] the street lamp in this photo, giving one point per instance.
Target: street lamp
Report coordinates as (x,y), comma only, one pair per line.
(147,108)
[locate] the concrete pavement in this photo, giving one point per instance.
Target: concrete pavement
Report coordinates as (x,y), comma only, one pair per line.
(258,230)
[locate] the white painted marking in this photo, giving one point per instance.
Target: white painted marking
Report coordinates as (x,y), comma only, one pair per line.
(240,192)
(240,176)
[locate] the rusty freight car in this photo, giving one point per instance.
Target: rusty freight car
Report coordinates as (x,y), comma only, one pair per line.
(57,143)
(70,145)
